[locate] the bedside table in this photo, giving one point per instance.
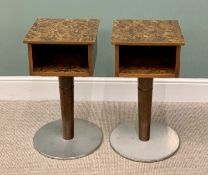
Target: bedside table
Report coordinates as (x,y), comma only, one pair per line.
(146,49)
(65,48)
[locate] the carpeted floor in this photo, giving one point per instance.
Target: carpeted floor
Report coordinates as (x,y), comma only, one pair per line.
(20,120)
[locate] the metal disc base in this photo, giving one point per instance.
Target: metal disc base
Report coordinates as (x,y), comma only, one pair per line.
(49,141)
(163,142)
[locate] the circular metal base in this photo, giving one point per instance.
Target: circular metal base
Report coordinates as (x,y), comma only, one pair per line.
(163,142)
(49,141)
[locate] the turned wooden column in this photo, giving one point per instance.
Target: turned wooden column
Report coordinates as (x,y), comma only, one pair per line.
(144,107)
(66,86)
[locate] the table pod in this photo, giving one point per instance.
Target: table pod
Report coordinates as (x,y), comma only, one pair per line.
(65,48)
(146,49)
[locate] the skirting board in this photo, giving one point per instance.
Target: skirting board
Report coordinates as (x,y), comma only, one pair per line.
(103,89)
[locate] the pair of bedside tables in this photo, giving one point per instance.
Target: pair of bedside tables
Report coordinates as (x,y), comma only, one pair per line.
(67,48)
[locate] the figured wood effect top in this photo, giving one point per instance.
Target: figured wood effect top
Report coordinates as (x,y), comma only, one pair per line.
(63,31)
(147,32)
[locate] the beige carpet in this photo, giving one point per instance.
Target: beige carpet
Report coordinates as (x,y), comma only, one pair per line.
(20,120)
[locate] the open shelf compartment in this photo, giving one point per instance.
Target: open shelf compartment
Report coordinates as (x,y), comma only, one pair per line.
(60,60)
(147,61)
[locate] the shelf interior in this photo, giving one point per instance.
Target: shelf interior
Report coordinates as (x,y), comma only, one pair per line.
(147,59)
(60,58)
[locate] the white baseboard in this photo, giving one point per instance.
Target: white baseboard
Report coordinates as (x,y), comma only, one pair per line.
(103,89)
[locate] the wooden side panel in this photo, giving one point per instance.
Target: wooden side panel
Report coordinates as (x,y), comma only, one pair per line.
(30,56)
(92,55)
(177,66)
(90,48)
(116,60)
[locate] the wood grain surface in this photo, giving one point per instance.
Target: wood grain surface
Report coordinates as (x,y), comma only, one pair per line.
(147,32)
(63,31)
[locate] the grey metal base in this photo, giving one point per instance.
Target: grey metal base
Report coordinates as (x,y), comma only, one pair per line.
(163,142)
(48,140)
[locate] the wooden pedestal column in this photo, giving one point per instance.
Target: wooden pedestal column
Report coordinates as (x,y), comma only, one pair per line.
(66,86)
(144,107)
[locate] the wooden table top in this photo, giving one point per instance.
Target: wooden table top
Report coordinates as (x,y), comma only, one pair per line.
(147,32)
(63,31)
